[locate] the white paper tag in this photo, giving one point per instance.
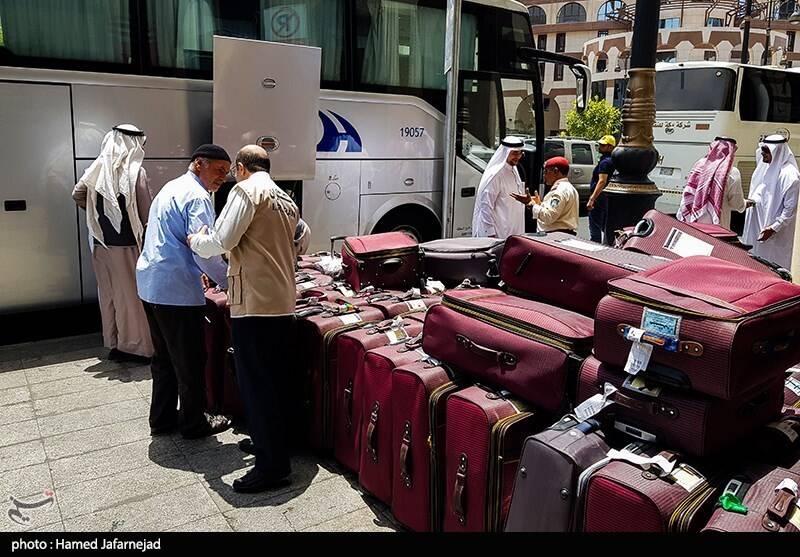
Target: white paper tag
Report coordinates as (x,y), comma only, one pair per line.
(416,305)
(582,245)
(793,384)
(638,358)
(303,286)
(661,323)
(686,245)
(346,291)
(397,335)
(639,385)
(687,478)
(643,462)
(591,407)
(786,429)
(789,485)
(634,335)
(434,286)
(350,318)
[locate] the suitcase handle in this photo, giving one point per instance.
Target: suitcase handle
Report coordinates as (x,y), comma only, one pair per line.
(774,345)
(652,407)
(405,448)
(688,347)
(348,406)
(335,239)
(391,265)
(777,269)
(503,358)
(373,424)
(778,511)
(459,491)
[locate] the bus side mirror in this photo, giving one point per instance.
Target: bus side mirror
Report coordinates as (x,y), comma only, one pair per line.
(583,78)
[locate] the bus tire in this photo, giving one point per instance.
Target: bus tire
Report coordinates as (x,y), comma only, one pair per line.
(415,220)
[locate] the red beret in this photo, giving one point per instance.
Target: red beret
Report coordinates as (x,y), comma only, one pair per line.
(556,161)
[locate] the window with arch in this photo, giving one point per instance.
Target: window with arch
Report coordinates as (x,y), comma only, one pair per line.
(571,13)
(609,9)
(538,16)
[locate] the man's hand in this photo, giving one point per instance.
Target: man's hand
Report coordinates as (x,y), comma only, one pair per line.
(524,199)
(766,234)
(749,203)
(203,231)
(205,281)
(590,203)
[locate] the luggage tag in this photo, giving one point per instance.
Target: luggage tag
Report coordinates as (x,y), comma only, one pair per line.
(396,334)
(687,477)
(657,328)
(793,384)
(642,461)
(593,406)
(788,484)
(303,286)
(346,291)
(685,245)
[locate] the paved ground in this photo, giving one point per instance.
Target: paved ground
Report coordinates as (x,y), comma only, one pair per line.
(74,440)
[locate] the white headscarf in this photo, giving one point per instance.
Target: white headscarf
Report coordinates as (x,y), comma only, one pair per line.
(114,173)
(498,160)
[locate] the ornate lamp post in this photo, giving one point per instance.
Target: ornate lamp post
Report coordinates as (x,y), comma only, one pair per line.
(630,192)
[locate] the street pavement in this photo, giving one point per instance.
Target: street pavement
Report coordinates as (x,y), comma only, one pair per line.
(75,445)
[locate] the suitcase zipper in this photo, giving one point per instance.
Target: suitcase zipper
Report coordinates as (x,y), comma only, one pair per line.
(511,325)
(496,462)
(435,494)
(644,300)
(682,516)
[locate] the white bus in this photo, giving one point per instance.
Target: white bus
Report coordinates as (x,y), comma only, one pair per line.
(69,71)
(698,101)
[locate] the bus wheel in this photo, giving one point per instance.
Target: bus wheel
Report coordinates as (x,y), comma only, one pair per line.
(417,221)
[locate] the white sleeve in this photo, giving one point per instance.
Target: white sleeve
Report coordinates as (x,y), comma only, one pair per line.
(733,192)
(789,206)
(232,223)
(485,208)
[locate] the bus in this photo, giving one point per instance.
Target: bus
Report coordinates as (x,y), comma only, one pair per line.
(698,101)
(70,71)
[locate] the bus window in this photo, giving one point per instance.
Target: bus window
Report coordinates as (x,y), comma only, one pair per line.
(695,89)
(770,96)
(52,33)
(478,121)
(311,23)
(401,44)
(180,33)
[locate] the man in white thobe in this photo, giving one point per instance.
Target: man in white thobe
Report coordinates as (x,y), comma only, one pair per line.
(496,214)
(769,225)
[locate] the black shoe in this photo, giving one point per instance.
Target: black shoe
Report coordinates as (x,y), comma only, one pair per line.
(246,446)
(114,355)
(133,358)
(163,430)
(254,482)
(213,425)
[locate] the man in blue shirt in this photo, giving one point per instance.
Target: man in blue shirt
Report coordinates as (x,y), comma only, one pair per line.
(168,282)
(598,203)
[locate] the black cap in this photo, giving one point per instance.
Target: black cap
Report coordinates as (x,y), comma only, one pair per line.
(211,151)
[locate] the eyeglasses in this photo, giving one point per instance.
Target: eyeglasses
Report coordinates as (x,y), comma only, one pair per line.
(232,172)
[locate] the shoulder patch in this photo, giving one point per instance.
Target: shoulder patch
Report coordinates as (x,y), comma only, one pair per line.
(554,203)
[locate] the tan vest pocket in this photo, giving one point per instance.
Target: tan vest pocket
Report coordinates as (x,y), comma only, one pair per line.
(235,285)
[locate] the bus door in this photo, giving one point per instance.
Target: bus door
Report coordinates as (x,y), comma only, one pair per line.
(267,93)
(491,106)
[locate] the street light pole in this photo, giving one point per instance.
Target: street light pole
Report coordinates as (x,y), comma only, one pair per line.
(748,12)
(630,192)
(765,57)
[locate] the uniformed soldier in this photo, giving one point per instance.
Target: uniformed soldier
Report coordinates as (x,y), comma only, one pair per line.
(558,212)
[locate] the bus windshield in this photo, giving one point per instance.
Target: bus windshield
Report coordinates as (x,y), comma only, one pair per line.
(695,89)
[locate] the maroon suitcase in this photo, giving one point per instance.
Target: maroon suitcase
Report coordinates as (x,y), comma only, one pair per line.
(546,490)
(665,236)
(770,501)
(318,327)
(309,261)
(222,390)
(419,392)
(525,346)
(626,497)
(352,346)
(694,424)
(791,392)
(376,463)
(723,328)
(388,260)
(562,270)
(484,433)
(452,260)
(393,304)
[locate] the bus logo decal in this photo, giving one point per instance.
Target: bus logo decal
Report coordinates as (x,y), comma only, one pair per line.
(333,139)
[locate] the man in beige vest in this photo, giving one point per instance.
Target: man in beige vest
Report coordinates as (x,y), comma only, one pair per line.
(257,226)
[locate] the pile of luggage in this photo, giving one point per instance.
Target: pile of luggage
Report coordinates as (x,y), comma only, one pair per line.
(563,386)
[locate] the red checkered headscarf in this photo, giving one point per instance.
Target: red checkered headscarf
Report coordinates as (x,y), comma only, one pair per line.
(706,183)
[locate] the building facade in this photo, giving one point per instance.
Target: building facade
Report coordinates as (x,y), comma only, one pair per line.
(599,32)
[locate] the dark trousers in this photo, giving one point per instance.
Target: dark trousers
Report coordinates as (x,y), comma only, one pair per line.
(178,367)
(262,348)
(597,218)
